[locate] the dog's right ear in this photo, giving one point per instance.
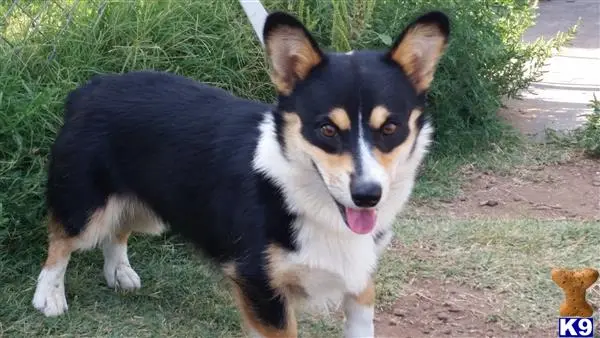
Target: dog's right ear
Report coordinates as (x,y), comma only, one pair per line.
(291,50)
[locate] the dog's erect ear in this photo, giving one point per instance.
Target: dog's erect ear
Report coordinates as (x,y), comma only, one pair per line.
(419,48)
(291,50)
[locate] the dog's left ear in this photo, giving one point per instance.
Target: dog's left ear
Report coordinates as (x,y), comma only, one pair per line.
(291,50)
(419,48)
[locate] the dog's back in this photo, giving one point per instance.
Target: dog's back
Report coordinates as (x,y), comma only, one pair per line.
(194,143)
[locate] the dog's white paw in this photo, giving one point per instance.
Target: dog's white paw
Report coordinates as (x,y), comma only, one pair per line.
(359,330)
(359,319)
(122,277)
(49,297)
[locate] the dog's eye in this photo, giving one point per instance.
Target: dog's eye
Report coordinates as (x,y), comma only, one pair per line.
(389,128)
(328,130)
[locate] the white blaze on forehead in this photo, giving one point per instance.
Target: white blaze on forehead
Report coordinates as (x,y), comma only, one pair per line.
(371,170)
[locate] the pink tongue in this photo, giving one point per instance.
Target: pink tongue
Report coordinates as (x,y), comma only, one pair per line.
(361,221)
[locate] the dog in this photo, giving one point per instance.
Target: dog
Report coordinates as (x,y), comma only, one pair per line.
(294,201)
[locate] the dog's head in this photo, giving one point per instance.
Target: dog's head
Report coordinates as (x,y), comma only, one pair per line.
(354,119)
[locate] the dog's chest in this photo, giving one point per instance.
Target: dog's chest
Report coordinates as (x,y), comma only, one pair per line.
(328,265)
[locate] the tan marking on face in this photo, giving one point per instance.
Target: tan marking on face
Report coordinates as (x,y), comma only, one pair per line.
(292,57)
(340,118)
(253,322)
(333,165)
(367,296)
(389,159)
(419,52)
(379,115)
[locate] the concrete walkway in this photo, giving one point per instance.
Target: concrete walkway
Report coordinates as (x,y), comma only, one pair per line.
(560,100)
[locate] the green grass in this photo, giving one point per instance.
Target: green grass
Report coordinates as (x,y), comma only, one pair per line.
(587,137)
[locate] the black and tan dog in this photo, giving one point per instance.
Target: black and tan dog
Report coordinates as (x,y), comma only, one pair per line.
(294,201)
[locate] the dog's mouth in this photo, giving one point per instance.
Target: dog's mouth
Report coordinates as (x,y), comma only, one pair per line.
(360,220)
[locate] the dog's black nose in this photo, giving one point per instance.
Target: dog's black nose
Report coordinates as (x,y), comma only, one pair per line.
(365,194)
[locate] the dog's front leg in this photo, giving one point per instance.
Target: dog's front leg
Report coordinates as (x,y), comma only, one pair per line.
(265,311)
(359,310)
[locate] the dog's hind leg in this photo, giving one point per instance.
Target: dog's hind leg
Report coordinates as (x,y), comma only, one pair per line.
(82,232)
(49,295)
(117,270)
(266,313)
(136,217)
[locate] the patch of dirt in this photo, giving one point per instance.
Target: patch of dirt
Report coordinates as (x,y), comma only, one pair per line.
(570,190)
(434,308)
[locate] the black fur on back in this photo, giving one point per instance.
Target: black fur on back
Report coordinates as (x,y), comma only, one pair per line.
(183,148)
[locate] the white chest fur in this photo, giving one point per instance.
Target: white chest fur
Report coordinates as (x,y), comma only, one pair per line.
(329,264)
